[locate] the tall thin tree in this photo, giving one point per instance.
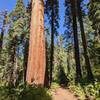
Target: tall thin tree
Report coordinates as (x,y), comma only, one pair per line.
(52,11)
(14,33)
(3,30)
(84,42)
(25,38)
(76,44)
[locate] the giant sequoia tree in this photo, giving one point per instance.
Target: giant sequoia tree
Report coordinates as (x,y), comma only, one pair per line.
(36,59)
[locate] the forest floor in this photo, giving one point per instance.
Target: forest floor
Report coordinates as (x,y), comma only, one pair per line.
(62,94)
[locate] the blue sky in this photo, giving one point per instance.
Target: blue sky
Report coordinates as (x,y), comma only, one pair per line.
(7,5)
(10,4)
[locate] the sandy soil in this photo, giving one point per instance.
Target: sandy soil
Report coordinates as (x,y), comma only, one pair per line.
(62,94)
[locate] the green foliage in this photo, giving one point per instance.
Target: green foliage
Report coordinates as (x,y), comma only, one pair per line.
(18,35)
(19,10)
(64,65)
(62,78)
(55,85)
(88,90)
(94,14)
(36,93)
(8,93)
(93,90)
(78,91)
(23,92)
(60,62)
(96,71)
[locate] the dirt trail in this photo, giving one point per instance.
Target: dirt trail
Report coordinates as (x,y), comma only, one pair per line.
(63,94)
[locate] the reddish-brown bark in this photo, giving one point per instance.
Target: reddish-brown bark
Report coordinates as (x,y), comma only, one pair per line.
(36,59)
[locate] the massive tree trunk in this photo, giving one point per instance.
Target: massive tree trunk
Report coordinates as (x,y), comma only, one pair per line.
(88,66)
(36,60)
(76,44)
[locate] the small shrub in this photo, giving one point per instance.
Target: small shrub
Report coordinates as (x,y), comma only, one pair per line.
(85,91)
(24,92)
(34,93)
(78,91)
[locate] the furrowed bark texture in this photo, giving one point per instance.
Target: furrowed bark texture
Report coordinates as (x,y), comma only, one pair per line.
(36,60)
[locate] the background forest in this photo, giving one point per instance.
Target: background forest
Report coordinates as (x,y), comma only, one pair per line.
(72,45)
